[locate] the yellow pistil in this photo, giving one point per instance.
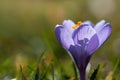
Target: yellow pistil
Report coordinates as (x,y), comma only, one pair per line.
(77,25)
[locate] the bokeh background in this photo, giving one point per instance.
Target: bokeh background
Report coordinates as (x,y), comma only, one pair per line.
(27,30)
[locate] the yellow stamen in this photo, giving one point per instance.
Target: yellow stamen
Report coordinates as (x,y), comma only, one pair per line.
(77,25)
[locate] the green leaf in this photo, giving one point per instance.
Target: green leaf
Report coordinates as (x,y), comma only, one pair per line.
(93,76)
(21,75)
(114,75)
(116,66)
(43,72)
(52,71)
(37,75)
(63,76)
(40,57)
(75,71)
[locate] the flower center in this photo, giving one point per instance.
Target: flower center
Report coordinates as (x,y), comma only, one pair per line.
(77,25)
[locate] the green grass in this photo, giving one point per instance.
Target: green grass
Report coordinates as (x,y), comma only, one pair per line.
(29,49)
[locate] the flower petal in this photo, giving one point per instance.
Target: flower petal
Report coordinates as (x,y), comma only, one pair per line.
(89,23)
(68,25)
(92,45)
(104,33)
(100,25)
(79,56)
(63,36)
(73,53)
(83,34)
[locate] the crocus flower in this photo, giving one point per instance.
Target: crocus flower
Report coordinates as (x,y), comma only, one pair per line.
(81,40)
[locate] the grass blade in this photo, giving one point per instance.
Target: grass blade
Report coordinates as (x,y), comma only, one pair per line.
(93,76)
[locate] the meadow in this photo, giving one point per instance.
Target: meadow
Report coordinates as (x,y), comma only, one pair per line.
(29,49)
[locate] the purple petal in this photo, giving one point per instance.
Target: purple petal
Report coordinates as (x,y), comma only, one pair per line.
(68,25)
(99,26)
(92,45)
(83,34)
(104,33)
(63,36)
(83,37)
(89,23)
(79,56)
(73,53)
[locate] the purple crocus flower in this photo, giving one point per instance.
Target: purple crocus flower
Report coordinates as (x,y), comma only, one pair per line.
(81,40)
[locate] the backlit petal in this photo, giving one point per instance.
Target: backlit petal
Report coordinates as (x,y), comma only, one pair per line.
(63,36)
(89,23)
(100,25)
(83,34)
(104,33)
(92,45)
(68,25)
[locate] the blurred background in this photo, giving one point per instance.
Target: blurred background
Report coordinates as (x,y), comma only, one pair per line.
(27,30)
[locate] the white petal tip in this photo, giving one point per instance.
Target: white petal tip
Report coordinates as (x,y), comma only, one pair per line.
(103,21)
(57,25)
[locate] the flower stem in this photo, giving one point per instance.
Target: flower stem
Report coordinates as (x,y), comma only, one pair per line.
(82,74)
